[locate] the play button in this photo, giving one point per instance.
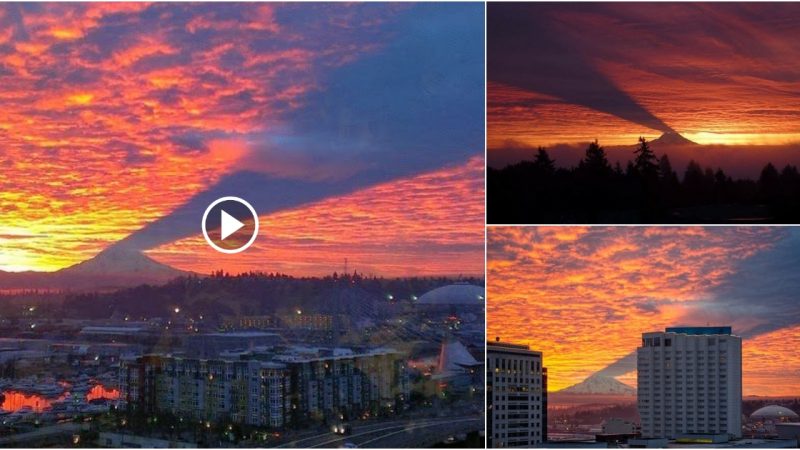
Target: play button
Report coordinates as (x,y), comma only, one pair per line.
(230,225)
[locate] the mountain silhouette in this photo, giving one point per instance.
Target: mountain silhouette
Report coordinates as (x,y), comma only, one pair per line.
(671,138)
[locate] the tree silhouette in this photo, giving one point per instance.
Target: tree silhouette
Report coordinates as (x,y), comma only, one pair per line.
(543,161)
(769,182)
(665,168)
(670,186)
(645,162)
(647,190)
(595,161)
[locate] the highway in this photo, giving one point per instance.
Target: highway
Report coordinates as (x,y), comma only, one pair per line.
(398,433)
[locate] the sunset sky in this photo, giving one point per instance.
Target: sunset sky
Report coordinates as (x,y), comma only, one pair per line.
(583,296)
(343,124)
(724,74)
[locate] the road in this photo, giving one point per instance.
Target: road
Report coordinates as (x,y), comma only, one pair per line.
(51,430)
(394,434)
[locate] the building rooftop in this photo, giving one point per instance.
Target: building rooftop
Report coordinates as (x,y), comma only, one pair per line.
(774,411)
(242,334)
(508,345)
(454,294)
(301,354)
(111,330)
(742,443)
(700,330)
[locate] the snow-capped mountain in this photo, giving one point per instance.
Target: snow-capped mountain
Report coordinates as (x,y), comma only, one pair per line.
(122,262)
(112,268)
(671,138)
(598,384)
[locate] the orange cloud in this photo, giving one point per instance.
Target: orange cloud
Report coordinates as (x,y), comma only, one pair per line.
(112,118)
(772,366)
(430,224)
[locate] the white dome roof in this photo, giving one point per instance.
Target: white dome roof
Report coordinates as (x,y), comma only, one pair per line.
(774,411)
(454,294)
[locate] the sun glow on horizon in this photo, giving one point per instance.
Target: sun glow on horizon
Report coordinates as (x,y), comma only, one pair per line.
(744,139)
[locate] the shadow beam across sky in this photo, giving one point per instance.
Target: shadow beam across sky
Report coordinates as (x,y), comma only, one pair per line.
(526,50)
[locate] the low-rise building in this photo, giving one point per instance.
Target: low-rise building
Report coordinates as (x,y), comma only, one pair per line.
(293,387)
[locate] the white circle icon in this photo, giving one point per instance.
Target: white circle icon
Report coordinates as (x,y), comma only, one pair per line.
(229,225)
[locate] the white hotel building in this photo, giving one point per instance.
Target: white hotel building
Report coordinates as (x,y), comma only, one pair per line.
(690,382)
(516,396)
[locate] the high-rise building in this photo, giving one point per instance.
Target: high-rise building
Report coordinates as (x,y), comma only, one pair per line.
(516,396)
(690,382)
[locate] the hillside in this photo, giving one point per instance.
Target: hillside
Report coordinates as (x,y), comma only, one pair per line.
(249,294)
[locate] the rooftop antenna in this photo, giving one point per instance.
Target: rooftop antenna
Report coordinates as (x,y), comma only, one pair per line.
(345,266)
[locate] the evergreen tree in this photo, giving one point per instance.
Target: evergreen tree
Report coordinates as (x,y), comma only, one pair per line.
(595,160)
(722,185)
(630,170)
(645,162)
(769,183)
(665,171)
(769,174)
(543,161)
(693,182)
(670,186)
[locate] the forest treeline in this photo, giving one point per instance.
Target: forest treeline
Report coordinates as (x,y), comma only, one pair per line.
(646,190)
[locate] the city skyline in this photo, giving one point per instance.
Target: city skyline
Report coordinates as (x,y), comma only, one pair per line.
(124,121)
(584,295)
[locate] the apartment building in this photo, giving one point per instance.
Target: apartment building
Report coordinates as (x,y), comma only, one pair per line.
(290,388)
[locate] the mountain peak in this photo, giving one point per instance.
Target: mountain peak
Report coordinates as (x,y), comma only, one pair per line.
(121,261)
(114,267)
(599,384)
(117,267)
(672,138)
